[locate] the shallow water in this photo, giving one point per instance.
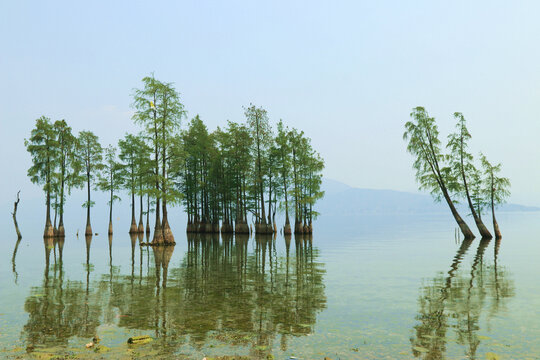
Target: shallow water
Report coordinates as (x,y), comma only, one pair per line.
(379,286)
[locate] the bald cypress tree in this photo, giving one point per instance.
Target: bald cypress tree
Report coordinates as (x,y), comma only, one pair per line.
(89,157)
(461,163)
(496,189)
(43,147)
(432,172)
(66,142)
(110,179)
(257,120)
(159,111)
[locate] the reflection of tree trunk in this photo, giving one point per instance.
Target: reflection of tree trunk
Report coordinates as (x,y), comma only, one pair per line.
(13,259)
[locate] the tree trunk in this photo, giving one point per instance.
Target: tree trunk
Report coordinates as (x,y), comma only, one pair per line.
(484,232)
(133,226)
(465,230)
(148,214)
(110,212)
(140,229)
(61,231)
(498,234)
(49,231)
(88,231)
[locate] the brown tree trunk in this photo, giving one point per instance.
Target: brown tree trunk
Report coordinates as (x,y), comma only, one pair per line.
(484,232)
(110,213)
(465,230)
(498,234)
(88,230)
(140,229)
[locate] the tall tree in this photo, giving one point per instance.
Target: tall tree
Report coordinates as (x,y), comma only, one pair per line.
(110,179)
(43,147)
(144,102)
(128,155)
(461,163)
(65,162)
(258,123)
(89,155)
(159,111)
(432,173)
(143,166)
(496,189)
(283,159)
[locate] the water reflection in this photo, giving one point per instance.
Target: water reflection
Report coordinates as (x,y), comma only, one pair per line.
(58,309)
(456,301)
(232,291)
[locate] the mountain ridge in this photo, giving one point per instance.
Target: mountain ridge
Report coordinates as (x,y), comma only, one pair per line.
(342,199)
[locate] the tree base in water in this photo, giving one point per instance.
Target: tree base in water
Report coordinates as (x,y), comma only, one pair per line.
(49,231)
(241,228)
(88,231)
(110,229)
(168,236)
(227,228)
(158,236)
(160,244)
(287,229)
(133,228)
(140,229)
(61,232)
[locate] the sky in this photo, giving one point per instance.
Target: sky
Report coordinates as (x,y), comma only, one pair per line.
(348,73)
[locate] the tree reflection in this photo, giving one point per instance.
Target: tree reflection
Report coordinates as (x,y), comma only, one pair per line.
(457,301)
(58,310)
(235,291)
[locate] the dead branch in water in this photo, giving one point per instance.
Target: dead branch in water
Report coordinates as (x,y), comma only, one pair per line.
(14,213)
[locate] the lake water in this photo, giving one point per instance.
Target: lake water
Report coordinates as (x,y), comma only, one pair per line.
(370,287)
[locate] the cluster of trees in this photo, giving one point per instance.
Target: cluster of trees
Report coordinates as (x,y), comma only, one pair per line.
(219,177)
(454,176)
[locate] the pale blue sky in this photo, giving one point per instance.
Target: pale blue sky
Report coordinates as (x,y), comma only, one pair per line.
(348,73)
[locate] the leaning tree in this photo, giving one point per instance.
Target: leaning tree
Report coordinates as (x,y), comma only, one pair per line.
(461,163)
(496,189)
(432,172)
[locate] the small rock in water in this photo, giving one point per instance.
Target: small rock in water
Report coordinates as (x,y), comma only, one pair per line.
(89,345)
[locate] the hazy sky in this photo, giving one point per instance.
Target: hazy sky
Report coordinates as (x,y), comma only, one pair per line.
(347,73)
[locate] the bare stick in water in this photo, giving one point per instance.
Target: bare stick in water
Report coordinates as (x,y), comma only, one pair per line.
(14,213)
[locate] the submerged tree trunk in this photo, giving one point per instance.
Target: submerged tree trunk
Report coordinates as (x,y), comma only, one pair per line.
(14,213)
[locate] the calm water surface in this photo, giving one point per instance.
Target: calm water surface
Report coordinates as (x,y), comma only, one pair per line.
(379,286)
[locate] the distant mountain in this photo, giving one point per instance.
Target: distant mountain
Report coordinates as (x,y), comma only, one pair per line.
(342,199)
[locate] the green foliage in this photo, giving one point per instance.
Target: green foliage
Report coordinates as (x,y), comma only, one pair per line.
(218,176)
(432,172)
(495,189)
(110,177)
(43,148)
